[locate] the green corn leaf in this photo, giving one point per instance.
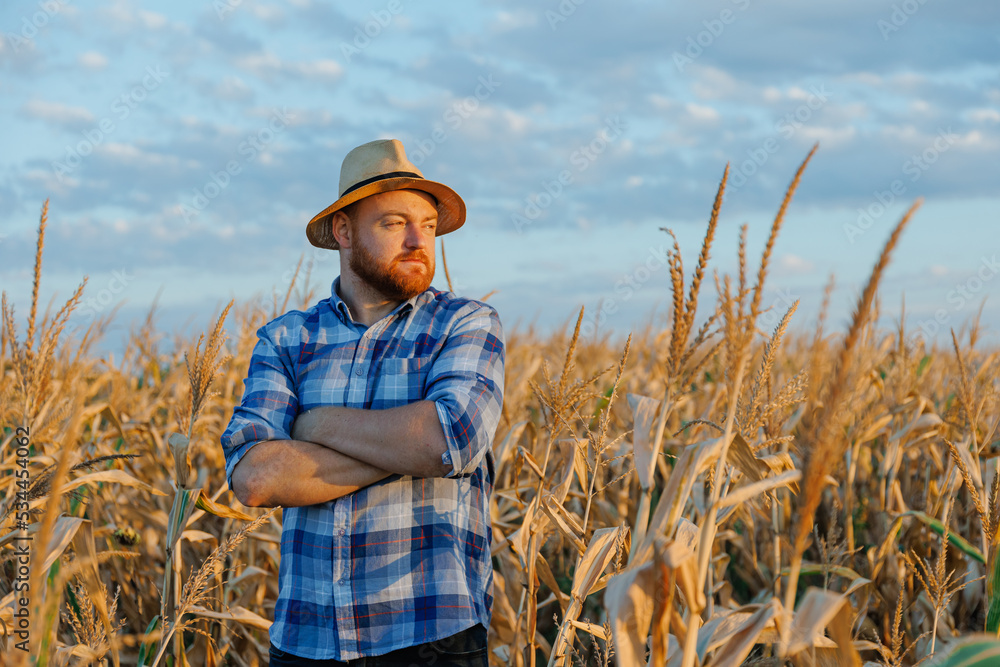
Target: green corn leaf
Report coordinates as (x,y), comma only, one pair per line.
(993,598)
(955,540)
(977,651)
(922,366)
(146,649)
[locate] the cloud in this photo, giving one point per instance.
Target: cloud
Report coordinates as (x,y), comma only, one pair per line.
(229,89)
(748,98)
(123,17)
(794,264)
(92,60)
(982,115)
(269,68)
(61,115)
(702,113)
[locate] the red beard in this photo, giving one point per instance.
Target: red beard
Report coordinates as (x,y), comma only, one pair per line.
(394,280)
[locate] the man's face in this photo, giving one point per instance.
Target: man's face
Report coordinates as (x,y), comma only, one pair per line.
(392,242)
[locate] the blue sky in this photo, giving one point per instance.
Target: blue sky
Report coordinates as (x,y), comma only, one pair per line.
(129,117)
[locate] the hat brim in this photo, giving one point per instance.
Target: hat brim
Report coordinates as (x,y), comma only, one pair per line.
(450,207)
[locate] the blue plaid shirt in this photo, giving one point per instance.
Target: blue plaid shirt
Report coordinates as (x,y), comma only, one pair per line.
(405,560)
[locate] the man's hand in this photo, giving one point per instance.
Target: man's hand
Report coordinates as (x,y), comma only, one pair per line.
(407,440)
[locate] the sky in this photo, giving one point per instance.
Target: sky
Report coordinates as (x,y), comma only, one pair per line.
(184,146)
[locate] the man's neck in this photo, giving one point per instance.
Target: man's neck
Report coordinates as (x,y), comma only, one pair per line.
(367,305)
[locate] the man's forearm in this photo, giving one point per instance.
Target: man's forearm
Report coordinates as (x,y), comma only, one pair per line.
(407,440)
(293,473)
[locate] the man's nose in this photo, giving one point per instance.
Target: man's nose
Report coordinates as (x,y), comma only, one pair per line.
(415,238)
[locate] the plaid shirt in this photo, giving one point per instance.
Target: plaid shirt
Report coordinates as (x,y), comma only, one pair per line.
(405,560)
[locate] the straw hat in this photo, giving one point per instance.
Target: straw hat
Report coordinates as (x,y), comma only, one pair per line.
(381,166)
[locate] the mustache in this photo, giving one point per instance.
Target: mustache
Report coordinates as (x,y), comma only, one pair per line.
(417,254)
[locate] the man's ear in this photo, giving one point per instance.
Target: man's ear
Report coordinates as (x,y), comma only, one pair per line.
(341,225)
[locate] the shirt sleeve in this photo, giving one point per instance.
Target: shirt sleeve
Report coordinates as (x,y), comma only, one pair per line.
(268,406)
(466,384)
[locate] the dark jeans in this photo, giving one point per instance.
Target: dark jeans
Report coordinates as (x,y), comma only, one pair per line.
(465,649)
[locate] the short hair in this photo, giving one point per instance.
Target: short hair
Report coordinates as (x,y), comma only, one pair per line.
(351,210)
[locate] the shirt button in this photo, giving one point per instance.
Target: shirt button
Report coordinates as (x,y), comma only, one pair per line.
(357,372)
(342,531)
(342,581)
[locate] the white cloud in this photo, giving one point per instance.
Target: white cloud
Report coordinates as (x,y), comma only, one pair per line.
(125,15)
(772,94)
(152,20)
(865,78)
(661,102)
(797,93)
(233,89)
(92,60)
(984,115)
(828,136)
(129,154)
(795,264)
(270,14)
(60,114)
(267,66)
(47,180)
(514,20)
(908,79)
(713,83)
(702,113)
(329,70)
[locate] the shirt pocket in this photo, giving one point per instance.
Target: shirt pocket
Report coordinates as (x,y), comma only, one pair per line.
(400,381)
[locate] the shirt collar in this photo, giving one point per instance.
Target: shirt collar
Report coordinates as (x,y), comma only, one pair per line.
(344,313)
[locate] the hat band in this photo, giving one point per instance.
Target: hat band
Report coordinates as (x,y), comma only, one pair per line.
(380,177)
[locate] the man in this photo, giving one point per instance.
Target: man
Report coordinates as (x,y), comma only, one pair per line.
(370,418)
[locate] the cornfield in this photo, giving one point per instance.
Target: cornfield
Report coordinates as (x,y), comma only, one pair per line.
(707,493)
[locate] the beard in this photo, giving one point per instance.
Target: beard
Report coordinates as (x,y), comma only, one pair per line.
(393,279)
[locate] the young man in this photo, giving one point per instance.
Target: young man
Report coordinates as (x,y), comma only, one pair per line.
(370,419)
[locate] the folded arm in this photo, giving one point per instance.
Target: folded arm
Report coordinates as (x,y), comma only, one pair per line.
(407,440)
(292,473)
(449,431)
(265,465)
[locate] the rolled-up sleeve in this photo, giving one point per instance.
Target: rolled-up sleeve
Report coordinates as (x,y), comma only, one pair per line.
(268,406)
(466,385)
